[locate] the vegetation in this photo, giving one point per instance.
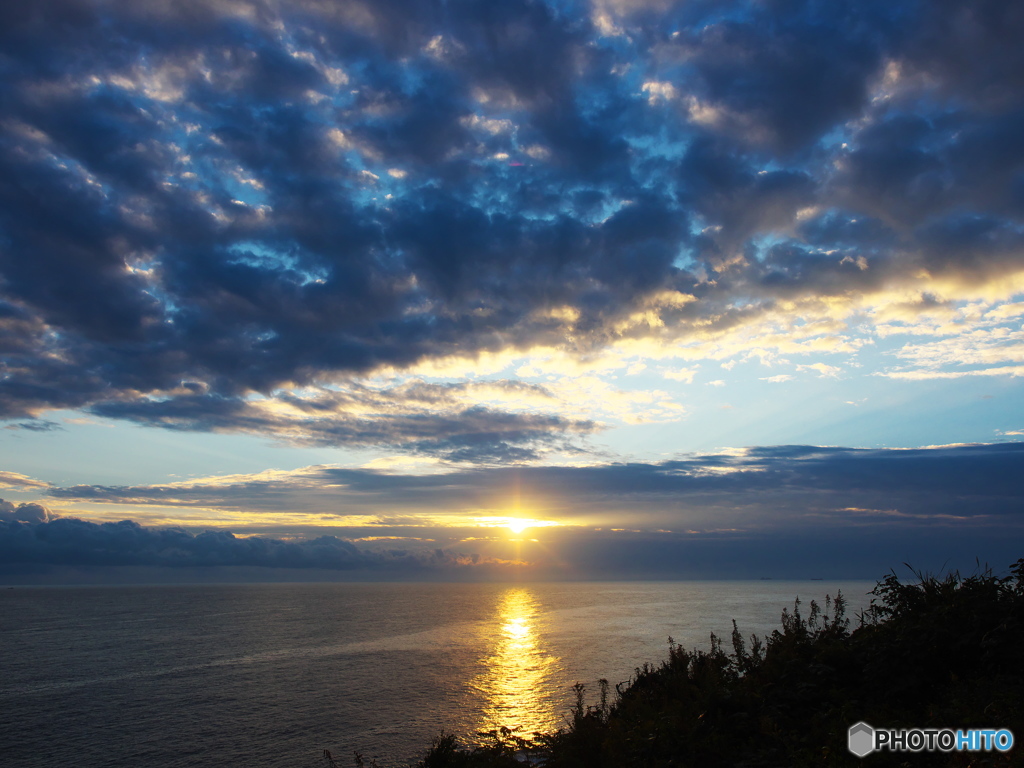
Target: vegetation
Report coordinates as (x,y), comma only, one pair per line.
(936,652)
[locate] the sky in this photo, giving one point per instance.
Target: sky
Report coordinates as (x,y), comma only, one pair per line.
(459,290)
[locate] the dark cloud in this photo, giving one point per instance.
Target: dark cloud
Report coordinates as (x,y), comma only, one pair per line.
(781,74)
(201,203)
(429,419)
(771,489)
(970,51)
(724,187)
(978,246)
(69,541)
(834,227)
(39,425)
(30,512)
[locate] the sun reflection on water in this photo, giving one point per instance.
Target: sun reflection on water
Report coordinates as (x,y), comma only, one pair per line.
(516,678)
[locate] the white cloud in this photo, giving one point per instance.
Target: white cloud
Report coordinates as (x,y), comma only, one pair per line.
(682,374)
(823,370)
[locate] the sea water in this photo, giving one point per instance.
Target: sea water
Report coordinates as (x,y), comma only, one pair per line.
(269,676)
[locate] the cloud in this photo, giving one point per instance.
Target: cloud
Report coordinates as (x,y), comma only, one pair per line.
(794,511)
(69,541)
(684,375)
(455,422)
(824,371)
(781,488)
(39,425)
(205,207)
(17,481)
(31,512)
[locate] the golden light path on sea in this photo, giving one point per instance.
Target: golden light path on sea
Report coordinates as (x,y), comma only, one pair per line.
(517,669)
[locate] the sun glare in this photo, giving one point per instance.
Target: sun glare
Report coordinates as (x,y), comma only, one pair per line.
(515,525)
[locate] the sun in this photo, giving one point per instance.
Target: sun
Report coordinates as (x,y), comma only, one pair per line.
(514,525)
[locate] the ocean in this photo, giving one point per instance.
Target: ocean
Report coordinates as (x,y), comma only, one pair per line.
(270,675)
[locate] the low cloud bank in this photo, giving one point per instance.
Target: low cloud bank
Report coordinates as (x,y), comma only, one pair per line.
(69,541)
(70,550)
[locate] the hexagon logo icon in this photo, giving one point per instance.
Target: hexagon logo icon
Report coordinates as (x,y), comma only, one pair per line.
(861,739)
